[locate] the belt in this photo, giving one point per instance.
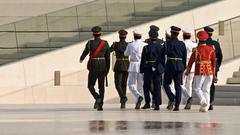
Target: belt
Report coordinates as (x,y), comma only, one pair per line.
(174,58)
(152,61)
(122,59)
(204,62)
(100,58)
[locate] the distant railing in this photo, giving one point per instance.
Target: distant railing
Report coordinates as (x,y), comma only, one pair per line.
(227,32)
(65,27)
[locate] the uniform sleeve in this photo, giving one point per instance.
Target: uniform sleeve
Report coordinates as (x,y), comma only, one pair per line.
(127,51)
(191,61)
(162,57)
(184,56)
(213,62)
(219,55)
(107,57)
(143,60)
(86,51)
(112,47)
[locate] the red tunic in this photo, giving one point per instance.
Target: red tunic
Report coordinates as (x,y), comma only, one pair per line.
(204,57)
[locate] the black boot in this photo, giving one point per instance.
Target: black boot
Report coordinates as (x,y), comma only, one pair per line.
(138,104)
(99,104)
(170,105)
(153,104)
(189,104)
(156,108)
(210,107)
(176,108)
(123,103)
(95,104)
(146,106)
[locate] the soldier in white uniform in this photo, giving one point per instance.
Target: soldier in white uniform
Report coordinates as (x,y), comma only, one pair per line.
(135,78)
(188,80)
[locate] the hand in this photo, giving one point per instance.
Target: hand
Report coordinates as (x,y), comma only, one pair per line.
(153,69)
(187,73)
(215,79)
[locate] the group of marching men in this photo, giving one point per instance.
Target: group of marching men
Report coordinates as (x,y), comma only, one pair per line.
(145,66)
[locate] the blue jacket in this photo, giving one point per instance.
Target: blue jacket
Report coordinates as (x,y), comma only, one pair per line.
(176,53)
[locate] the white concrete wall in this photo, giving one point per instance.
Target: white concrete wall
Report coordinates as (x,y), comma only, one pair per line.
(15,10)
(17,78)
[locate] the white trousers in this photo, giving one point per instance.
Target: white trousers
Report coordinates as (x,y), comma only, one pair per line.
(135,83)
(187,86)
(202,86)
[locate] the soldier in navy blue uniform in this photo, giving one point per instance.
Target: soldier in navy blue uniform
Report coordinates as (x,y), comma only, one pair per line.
(219,57)
(176,63)
(152,65)
(159,42)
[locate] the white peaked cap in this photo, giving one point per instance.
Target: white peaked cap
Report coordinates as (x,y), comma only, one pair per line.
(137,31)
(168,31)
(186,30)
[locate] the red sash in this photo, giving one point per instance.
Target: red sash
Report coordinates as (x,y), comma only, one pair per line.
(95,53)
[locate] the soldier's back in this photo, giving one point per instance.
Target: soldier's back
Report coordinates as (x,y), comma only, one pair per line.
(99,62)
(122,62)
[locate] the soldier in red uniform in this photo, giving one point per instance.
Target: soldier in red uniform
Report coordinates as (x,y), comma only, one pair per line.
(204,57)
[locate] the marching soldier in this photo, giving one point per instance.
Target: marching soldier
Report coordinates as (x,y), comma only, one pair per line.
(121,67)
(160,42)
(219,57)
(135,78)
(98,65)
(174,68)
(188,80)
(205,66)
(152,65)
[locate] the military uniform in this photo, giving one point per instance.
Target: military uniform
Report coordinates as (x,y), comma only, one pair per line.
(98,66)
(121,67)
(205,66)
(175,51)
(188,80)
(152,65)
(135,78)
(219,57)
(159,42)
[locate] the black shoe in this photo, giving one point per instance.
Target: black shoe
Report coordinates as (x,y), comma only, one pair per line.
(138,104)
(100,108)
(189,104)
(146,106)
(123,103)
(176,109)
(95,105)
(99,104)
(210,107)
(156,108)
(170,105)
(153,104)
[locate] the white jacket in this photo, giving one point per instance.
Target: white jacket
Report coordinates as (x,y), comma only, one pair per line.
(189,46)
(134,50)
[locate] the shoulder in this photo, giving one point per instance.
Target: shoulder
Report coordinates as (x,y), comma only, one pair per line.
(211,47)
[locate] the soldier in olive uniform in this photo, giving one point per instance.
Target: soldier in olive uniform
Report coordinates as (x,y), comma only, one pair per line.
(98,65)
(160,42)
(121,67)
